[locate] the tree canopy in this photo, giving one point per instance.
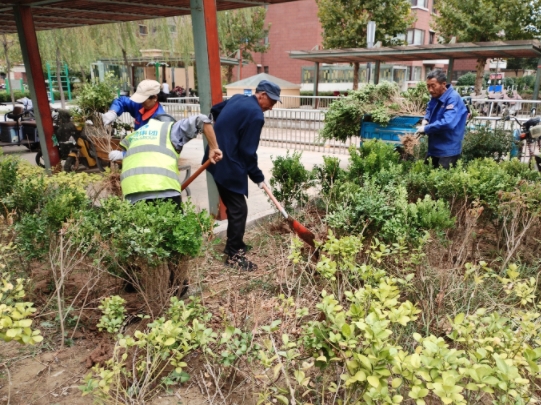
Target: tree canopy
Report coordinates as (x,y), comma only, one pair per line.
(487,20)
(242,30)
(344,23)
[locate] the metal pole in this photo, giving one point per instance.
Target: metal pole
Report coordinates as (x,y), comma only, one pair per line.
(316,86)
(370,39)
(36,83)
(537,80)
(209,75)
(376,72)
(450,70)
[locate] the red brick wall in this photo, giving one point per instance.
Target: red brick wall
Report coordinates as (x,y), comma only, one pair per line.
(295,27)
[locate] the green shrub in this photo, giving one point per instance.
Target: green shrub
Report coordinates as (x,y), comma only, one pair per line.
(328,173)
(526,82)
(8,175)
(371,158)
(290,179)
(114,314)
(485,142)
(466,80)
(148,232)
(15,314)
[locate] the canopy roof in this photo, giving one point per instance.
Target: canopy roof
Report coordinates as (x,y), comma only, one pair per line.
(253,81)
(462,50)
(50,14)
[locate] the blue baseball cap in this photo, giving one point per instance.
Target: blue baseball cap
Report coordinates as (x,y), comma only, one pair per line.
(272,89)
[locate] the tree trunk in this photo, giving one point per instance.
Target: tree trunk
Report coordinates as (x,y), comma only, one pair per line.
(59,79)
(83,76)
(356,76)
(8,67)
(128,70)
(229,74)
(480,68)
(187,76)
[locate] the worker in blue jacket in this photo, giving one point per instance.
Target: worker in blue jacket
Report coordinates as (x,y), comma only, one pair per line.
(444,121)
(142,106)
(238,126)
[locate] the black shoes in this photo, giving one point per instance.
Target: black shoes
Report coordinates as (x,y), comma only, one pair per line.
(240,262)
(246,249)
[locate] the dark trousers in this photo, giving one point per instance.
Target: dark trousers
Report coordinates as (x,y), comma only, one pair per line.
(444,162)
(237,212)
(176,200)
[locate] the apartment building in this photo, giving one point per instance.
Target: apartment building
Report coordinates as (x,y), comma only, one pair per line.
(295,26)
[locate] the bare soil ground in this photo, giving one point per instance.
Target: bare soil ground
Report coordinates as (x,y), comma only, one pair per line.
(45,375)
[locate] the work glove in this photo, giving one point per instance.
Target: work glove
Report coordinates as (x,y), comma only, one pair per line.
(260,185)
(109,117)
(420,129)
(116,155)
(424,122)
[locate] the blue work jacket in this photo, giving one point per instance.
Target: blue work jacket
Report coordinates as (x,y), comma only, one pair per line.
(124,104)
(238,126)
(446,126)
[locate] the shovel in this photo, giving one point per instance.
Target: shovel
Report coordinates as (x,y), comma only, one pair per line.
(197,173)
(302,232)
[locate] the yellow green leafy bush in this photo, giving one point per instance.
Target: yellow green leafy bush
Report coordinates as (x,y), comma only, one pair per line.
(15,314)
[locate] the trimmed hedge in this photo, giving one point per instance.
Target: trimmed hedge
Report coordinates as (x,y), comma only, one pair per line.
(5,97)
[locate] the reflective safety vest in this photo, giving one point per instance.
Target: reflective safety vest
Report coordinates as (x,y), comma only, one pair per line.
(150,162)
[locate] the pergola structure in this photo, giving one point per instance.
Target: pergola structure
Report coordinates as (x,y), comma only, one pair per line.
(451,52)
(28,16)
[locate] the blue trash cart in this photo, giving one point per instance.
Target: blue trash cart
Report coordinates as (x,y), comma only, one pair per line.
(397,127)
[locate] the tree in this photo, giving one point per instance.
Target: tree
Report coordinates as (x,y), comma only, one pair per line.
(242,30)
(345,22)
(10,46)
(117,40)
(486,20)
(523,64)
(64,46)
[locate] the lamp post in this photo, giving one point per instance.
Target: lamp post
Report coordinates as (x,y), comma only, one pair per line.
(370,38)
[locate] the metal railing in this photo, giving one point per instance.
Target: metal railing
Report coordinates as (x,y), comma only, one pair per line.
(288,102)
(299,129)
(501,107)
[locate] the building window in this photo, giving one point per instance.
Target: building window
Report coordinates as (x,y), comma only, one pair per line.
(431,37)
(259,69)
(419,3)
(143,30)
(415,37)
(416,72)
(266,69)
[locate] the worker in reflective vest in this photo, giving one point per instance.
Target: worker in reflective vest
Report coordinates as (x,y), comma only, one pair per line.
(150,162)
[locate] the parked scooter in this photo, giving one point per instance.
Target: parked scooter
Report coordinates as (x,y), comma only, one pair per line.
(19,126)
(74,148)
(530,132)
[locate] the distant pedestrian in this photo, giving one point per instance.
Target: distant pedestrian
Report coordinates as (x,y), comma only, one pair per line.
(165,87)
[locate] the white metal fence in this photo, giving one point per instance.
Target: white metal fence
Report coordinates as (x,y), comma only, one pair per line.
(299,128)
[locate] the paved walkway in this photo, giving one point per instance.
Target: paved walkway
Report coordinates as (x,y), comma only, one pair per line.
(192,154)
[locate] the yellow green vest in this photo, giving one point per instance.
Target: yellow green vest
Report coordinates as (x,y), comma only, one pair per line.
(150,162)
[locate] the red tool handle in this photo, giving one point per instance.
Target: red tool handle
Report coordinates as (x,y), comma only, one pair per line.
(275,201)
(197,173)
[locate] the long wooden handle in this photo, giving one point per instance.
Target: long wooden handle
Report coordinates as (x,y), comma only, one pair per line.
(275,201)
(197,173)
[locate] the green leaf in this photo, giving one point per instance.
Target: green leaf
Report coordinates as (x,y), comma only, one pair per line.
(169,342)
(282,399)
(373,381)
(459,319)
